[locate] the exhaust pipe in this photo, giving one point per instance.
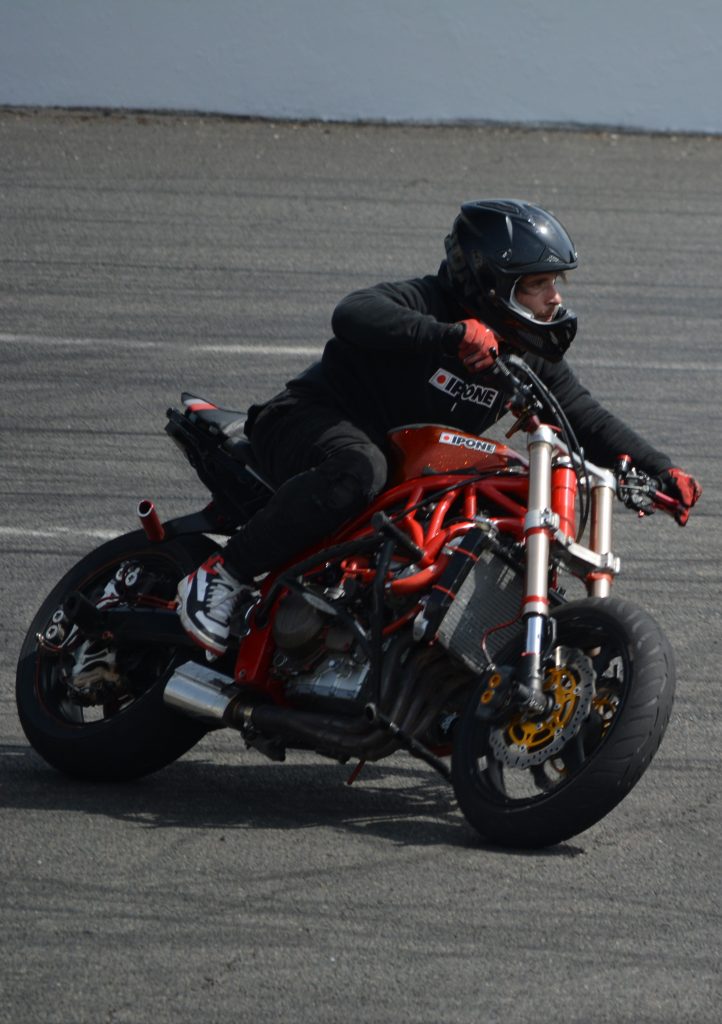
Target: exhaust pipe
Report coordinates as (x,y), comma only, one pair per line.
(150,521)
(200,692)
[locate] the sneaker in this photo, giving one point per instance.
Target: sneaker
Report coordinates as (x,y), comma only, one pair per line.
(206,602)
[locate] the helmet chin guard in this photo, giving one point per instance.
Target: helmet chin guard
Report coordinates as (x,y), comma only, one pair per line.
(493,243)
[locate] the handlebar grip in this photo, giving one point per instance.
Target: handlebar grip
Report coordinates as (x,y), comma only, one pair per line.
(664,501)
(670,505)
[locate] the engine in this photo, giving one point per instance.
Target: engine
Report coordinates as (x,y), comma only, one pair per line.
(317,654)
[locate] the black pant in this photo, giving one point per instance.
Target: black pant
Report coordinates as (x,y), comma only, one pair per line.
(326,469)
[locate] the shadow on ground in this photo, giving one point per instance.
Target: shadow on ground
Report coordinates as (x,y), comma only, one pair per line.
(405,804)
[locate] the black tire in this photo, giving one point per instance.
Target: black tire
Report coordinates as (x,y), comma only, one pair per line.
(125,737)
(628,668)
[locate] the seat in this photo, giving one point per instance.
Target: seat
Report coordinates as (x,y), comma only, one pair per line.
(228,422)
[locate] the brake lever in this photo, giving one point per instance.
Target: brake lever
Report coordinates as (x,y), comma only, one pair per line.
(633,487)
(637,491)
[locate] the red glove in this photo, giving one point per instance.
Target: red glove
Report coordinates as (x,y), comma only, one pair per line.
(680,485)
(479,347)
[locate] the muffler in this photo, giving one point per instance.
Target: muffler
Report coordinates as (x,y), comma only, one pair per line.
(201,692)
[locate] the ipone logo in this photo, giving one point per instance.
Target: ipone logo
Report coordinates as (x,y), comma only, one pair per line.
(474,444)
(457,388)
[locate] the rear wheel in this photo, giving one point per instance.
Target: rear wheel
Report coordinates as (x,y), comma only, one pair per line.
(115,726)
(534,782)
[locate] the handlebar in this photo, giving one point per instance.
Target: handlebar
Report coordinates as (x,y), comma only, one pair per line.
(641,493)
(523,402)
(635,489)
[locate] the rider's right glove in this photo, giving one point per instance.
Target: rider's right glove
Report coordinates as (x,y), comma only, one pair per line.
(680,485)
(479,347)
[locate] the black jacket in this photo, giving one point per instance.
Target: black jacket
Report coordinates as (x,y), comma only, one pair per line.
(392,361)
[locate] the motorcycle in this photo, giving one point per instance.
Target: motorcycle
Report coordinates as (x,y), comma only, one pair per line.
(434,623)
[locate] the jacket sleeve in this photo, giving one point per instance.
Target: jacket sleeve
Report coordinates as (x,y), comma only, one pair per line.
(602,434)
(398,318)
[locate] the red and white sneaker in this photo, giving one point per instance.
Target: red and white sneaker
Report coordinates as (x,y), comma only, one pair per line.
(206,602)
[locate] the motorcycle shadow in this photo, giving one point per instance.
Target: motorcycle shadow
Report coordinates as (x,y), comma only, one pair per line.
(400,801)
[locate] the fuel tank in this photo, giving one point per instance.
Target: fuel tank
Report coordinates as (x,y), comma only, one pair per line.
(432,448)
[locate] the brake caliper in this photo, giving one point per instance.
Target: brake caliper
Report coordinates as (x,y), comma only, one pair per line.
(529,740)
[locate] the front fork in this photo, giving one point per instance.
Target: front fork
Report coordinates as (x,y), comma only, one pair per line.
(550,520)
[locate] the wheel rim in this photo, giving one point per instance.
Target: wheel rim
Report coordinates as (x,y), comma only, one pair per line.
(139,668)
(518,761)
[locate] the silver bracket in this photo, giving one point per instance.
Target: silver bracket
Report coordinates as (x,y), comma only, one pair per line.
(579,558)
(541,519)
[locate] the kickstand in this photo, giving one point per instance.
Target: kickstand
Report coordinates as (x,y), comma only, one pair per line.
(355,773)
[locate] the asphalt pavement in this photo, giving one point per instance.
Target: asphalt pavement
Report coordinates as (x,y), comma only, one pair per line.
(144,255)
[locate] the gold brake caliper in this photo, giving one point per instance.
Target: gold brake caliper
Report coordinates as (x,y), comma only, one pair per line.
(606,704)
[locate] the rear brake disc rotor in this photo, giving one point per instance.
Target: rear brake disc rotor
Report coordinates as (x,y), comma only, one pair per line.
(525,742)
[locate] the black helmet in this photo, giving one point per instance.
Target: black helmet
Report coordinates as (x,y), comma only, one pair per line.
(492,244)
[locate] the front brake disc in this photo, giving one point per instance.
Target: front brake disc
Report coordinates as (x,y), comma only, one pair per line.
(524,742)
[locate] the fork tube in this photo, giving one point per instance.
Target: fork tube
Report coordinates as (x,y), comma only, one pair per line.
(564,496)
(537,535)
(599,584)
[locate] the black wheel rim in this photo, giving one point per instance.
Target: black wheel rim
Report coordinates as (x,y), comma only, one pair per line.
(520,785)
(141,667)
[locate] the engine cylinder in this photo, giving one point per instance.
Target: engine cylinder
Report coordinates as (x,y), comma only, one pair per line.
(297,627)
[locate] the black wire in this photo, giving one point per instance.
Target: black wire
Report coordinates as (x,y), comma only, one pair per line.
(570,440)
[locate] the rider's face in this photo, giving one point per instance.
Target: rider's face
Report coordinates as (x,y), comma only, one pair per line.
(539,294)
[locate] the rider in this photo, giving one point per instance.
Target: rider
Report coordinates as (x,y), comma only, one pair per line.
(408,352)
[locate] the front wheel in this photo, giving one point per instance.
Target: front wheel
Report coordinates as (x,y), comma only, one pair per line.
(530,782)
(108,722)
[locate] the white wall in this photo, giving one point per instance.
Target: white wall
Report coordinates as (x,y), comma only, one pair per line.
(651,64)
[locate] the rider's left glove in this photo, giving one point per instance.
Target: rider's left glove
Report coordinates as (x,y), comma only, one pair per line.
(680,485)
(479,347)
